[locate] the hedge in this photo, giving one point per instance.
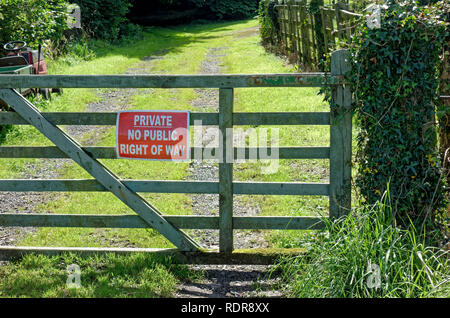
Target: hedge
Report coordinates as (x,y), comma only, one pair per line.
(395,78)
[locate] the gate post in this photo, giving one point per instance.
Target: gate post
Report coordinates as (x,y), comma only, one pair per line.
(340,139)
(226,170)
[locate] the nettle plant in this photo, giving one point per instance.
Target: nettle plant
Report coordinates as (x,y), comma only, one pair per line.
(395,76)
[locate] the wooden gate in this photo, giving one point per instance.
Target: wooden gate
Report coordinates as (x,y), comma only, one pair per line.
(339,154)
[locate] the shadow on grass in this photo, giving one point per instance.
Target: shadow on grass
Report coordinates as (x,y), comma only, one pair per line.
(110,275)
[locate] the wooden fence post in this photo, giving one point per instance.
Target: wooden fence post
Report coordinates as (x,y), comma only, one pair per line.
(340,139)
(226,171)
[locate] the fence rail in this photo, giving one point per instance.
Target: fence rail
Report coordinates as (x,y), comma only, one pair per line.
(110,152)
(99,119)
(339,154)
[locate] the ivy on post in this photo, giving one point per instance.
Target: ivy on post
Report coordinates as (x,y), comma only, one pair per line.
(395,76)
(340,138)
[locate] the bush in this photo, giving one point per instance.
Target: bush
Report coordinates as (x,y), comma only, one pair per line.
(106,19)
(395,79)
(76,51)
(32,21)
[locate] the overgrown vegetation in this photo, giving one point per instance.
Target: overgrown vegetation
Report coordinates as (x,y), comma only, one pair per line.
(269,23)
(107,19)
(110,275)
(45,22)
(365,255)
(395,78)
(233,9)
(170,12)
(32,21)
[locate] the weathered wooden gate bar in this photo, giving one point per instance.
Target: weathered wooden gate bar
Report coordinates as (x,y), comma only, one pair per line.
(226,186)
(170,81)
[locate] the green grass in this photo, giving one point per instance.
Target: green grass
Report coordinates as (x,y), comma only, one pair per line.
(136,275)
(183,49)
(365,255)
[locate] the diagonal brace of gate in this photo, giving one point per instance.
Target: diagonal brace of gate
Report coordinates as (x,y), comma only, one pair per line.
(103,175)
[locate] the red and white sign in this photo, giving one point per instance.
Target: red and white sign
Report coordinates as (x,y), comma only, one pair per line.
(153,135)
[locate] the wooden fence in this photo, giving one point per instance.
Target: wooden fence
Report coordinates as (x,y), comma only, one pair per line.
(339,154)
(305,37)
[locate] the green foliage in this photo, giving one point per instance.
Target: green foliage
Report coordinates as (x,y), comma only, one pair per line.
(270,27)
(106,19)
(342,260)
(32,21)
(171,4)
(427,2)
(76,51)
(268,19)
(395,80)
